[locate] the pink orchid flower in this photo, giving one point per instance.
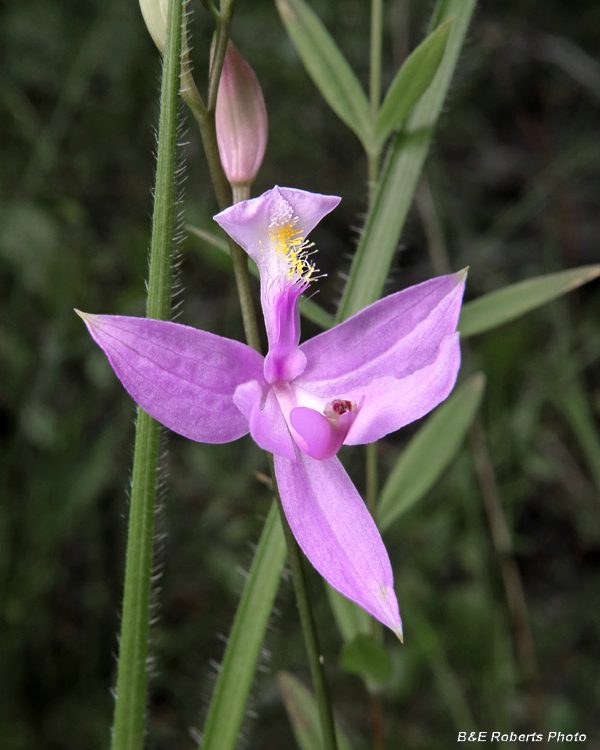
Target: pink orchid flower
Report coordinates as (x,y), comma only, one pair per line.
(377,371)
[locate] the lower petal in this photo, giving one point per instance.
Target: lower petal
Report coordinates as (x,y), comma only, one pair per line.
(337,533)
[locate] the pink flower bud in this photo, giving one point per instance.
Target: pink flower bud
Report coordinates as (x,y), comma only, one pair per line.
(241,118)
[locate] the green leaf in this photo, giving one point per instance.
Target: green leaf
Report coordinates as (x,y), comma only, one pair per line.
(411,81)
(309,309)
(430,451)
(510,302)
(401,171)
(303,714)
(351,619)
(367,658)
(231,692)
(327,67)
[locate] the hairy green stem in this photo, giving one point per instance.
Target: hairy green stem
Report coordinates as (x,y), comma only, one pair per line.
(130,705)
(311,641)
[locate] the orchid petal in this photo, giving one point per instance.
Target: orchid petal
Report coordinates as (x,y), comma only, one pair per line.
(183,377)
(267,424)
(337,533)
(394,337)
(389,403)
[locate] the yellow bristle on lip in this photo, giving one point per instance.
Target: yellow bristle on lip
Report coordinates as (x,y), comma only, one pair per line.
(290,244)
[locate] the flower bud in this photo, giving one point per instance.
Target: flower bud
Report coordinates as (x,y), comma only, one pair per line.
(241,118)
(155,13)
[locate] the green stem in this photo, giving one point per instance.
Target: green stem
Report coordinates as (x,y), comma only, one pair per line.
(206,123)
(130,705)
(372,483)
(375,71)
(375,90)
(311,641)
(373,174)
(205,117)
(242,279)
(372,494)
(373,166)
(372,478)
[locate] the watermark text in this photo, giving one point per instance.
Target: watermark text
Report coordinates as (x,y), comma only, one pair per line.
(514,737)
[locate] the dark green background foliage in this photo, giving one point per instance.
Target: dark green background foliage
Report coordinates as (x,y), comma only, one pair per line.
(515,171)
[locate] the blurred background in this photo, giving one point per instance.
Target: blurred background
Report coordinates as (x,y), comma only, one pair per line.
(514,178)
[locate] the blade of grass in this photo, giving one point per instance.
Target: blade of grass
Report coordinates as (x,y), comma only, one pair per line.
(411,81)
(510,302)
(430,451)
(327,67)
(130,704)
(401,172)
(243,647)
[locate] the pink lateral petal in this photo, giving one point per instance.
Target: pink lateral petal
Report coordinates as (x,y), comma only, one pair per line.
(337,533)
(267,424)
(389,404)
(183,377)
(394,337)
